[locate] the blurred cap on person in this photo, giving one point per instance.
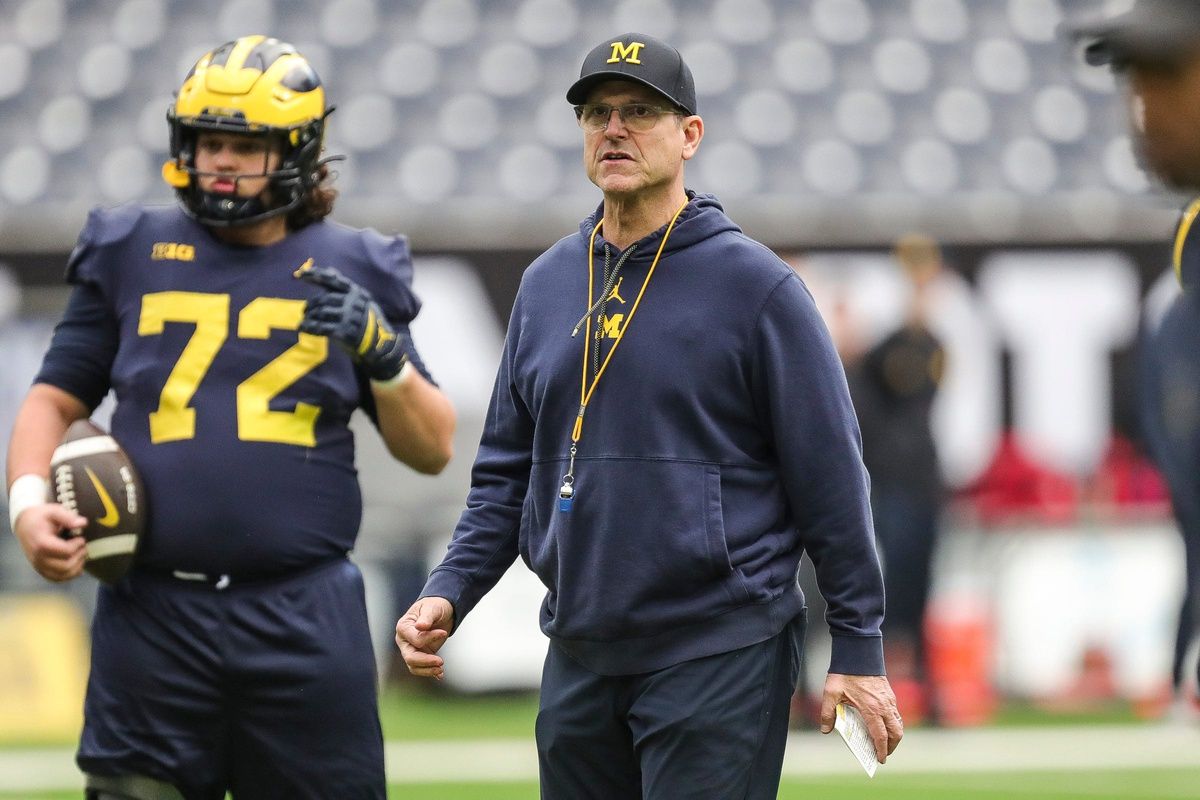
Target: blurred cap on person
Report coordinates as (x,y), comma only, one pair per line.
(1150,31)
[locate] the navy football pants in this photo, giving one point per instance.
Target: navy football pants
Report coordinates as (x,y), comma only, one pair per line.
(268,689)
(714,727)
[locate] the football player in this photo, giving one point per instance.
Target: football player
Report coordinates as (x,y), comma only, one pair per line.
(1155,48)
(238,331)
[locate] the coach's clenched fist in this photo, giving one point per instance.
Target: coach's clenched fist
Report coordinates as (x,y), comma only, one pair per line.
(421,632)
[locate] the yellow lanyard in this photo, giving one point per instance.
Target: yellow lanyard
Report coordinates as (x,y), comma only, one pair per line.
(585,391)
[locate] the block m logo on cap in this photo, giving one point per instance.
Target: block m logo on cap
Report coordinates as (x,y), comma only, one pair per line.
(626,52)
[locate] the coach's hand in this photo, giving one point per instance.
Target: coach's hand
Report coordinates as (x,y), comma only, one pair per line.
(346,313)
(872,696)
(421,632)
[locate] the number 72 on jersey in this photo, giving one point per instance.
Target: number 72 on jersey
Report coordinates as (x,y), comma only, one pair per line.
(175,419)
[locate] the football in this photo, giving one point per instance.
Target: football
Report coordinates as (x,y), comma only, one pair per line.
(91,474)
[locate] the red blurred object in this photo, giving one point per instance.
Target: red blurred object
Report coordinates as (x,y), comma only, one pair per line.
(959,646)
(911,699)
(1015,487)
(1127,478)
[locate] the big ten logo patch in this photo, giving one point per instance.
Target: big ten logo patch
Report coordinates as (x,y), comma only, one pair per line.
(629,53)
(172,251)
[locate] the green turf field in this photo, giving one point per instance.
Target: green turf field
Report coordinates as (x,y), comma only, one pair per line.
(418,713)
(411,714)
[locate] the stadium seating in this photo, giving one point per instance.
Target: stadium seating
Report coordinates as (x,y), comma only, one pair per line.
(456,104)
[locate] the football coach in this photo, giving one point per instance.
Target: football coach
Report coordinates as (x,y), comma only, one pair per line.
(669,432)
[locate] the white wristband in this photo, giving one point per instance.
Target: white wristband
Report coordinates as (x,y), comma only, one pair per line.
(27,491)
(400,377)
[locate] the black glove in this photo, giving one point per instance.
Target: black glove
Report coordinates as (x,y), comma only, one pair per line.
(346,313)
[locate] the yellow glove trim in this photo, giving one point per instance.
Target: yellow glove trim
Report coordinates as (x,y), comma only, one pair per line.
(368,337)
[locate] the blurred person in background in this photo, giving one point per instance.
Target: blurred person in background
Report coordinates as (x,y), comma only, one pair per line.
(663,473)
(10,304)
(239,330)
(894,384)
(1154,48)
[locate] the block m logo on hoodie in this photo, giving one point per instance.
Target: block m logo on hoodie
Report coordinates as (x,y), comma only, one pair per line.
(628,53)
(612,325)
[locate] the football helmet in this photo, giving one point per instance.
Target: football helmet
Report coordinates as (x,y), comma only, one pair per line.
(257,86)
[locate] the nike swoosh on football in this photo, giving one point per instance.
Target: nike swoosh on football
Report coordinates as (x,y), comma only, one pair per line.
(111,515)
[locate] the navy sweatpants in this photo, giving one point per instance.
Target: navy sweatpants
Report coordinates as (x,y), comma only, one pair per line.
(268,689)
(708,728)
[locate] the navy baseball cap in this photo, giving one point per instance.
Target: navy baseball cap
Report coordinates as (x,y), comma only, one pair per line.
(641,59)
(1152,30)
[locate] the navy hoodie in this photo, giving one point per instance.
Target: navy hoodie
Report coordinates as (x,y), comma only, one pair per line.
(1169,374)
(719,446)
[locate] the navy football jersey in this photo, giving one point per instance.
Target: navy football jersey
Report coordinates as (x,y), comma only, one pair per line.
(236,421)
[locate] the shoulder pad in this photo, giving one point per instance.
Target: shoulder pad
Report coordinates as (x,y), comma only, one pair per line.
(104,227)
(390,252)
(390,262)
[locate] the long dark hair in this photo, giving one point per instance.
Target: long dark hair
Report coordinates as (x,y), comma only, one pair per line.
(318,201)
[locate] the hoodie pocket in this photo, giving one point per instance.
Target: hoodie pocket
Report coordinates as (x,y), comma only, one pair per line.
(642,548)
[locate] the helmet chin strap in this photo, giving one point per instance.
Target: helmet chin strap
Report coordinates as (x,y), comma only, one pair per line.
(225,210)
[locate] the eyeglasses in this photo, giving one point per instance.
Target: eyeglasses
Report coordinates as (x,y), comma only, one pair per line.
(638,117)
